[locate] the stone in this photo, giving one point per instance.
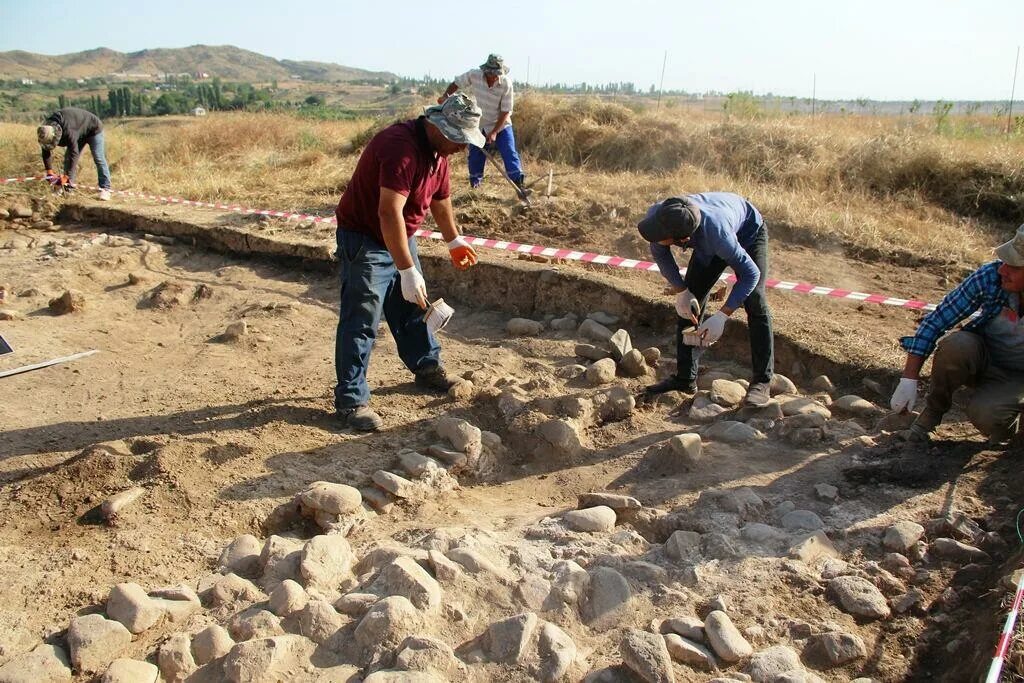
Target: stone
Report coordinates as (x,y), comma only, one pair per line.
(396,485)
(683,545)
(652,355)
(213,642)
(911,599)
(802,520)
(955,551)
(688,447)
(770,412)
(405,577)
(335,499)
(570,371)
(805,406)
(474,562)
(175,658)
(129,604)
(603,318)
(507,640)
(115,504)
(730,431)
(235,331)
(836,649)
(444,569)
(591,352)
(902,536)
(647,656)
(569,582)
(595,519)
(463,436)
(607,599)
(130,671)
(633,364)
(280,560)
(69,302)
(766,666)
(557,652)
(1010,581)
(688,627)
(615,501)
(704,410)
(727,393)
(620,344)
(781,384)
(720,603)
(601,372)
(242,556)
(289,597)
(318,621)
(859,597)
(566,324)
(855,405)
(19,211)
(428,655)
(814,547)
(462,390)
(822,383)
(895,422)
(254,623)
(387,623)
(45,664)
(523,327)
(717,546)
(233,588)
(756,532)
(8,314)
(725,639)
(590,329)
(269,660)
(533,592)
(561,435)
(688,652)
(355,604)
(826,492)
(326,561)
(178,602)
(95,641)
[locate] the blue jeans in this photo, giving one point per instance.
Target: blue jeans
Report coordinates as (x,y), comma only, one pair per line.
(506,144)
(371,285)
(700,279)
(99,156)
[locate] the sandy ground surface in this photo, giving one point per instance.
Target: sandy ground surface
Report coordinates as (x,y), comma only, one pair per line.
(221,434)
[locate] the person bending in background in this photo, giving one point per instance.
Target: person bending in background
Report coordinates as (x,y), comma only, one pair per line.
(492,89)
(401,174)
(723,229)
(988,353)
(74,128)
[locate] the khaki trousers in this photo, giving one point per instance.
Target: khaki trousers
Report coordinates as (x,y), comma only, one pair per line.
(962,359)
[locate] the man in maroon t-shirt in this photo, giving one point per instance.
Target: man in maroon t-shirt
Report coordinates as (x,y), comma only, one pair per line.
(402,173)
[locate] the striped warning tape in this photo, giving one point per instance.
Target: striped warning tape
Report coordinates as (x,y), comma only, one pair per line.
(534,250)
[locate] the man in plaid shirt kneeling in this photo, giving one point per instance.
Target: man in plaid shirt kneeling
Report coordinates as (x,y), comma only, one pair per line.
(988,353)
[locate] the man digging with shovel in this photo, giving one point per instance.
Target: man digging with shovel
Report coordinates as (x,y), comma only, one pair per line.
(723,229)
(402,173)
(491,87)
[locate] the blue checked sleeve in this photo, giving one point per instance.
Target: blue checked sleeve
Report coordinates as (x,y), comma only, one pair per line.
(969,296)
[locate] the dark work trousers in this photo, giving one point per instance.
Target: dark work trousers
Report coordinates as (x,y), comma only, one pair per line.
(699,280)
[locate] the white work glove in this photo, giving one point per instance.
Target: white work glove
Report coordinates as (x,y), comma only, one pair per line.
(712,329)
(903,398)
(414,288)
(687,306)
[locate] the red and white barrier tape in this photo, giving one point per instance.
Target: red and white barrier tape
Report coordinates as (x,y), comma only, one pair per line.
(537,250)
(1003,646)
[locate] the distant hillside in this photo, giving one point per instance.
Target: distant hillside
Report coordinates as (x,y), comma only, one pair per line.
(225,61)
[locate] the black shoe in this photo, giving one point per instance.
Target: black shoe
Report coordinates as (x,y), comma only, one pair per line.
(673,383)
(433,378)
(361,418)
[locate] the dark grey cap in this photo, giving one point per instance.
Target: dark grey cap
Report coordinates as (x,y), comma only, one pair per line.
(675,218)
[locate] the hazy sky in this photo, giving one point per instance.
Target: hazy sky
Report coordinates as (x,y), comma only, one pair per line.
(896,49)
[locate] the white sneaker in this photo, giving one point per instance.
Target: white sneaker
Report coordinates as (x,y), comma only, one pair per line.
(759,394)
(104,196)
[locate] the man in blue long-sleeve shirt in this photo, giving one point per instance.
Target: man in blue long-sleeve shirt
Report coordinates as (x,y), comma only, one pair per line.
(723,229)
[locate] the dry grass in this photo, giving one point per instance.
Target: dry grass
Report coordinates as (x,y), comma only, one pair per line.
(873,184)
